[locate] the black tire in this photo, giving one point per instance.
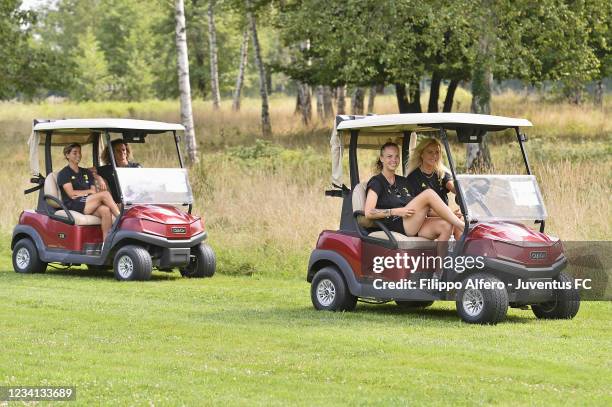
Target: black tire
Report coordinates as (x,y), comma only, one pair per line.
(482,305)
(414,304)
(203,263)
(26,259)
(329,292)
(132,263)
(565,304)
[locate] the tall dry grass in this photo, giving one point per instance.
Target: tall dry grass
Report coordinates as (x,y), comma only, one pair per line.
(266,213)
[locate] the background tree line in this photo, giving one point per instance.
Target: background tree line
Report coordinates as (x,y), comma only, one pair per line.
(125,49)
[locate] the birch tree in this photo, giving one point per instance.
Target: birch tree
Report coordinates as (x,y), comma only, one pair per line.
(183,79)
(266,126)
(244,50)
(214,65)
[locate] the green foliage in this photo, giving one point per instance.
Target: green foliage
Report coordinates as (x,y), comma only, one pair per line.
(93,79)
(261,149)
(26,66)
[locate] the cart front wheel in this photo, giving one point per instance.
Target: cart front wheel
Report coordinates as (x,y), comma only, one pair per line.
(565,304)
(132,263)
(202,264)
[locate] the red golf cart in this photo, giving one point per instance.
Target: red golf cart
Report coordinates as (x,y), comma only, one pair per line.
(507,255)
(155,229)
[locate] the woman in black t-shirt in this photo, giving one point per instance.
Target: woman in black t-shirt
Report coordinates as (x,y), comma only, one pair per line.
(79,192)
(426,171)
(389,199)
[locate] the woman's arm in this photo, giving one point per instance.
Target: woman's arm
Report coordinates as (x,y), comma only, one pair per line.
(370,207)
(75,193)
(372,213)
(450,186)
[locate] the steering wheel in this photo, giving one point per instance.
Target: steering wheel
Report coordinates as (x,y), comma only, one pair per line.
(476,192)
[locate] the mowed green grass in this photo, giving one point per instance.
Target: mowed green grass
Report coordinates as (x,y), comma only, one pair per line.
(257,341)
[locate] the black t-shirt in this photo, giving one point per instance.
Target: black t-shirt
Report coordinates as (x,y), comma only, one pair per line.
(390,196)
(80,181)
(420,181)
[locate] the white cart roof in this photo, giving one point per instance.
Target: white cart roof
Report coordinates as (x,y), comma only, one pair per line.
(82,131)
(87,125)
(376,130)
(391,123)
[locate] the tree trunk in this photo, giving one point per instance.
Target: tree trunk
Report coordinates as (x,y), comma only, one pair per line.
(183,78)
(450,95)
(599,93)
(402,98)
(328,106)
(305,102)
(477,154)
(200,80)
(304,98)
(575,95)
(320,109)
(434,93)
(266,126)
(357,101)
(244,52)
(214,65)
(415,97)
(341,92)
(371,98)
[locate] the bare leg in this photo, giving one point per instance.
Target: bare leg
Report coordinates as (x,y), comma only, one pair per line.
(435,228)
(429,199)
(439,229)
(100,198)
(412,224)
(105,215)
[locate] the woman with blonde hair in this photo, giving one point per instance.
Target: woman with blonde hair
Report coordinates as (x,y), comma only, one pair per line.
(427,171)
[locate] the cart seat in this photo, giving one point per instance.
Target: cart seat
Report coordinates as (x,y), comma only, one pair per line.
(403,241)
(51,188)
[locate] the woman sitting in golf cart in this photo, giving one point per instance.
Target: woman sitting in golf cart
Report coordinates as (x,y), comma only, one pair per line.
(123,155)
(426,171)
(389,199)
(104,174)
(79,192)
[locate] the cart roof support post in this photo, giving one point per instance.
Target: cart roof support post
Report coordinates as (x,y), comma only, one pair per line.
(353,166)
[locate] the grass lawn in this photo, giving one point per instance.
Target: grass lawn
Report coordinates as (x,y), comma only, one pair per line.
(257,340)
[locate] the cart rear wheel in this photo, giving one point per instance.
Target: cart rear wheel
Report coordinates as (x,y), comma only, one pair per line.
(26,259)
(329,292)
(565,305)
(482,299)
(203,262)
(132,263)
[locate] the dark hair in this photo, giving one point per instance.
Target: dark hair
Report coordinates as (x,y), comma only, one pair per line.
(69,148)
(106,155)
(378,164)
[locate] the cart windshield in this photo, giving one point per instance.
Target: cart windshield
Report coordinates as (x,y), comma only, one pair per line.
(502,197)
(155,185)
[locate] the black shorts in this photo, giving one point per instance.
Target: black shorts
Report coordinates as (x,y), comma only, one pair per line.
(394,224)
(77,204)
